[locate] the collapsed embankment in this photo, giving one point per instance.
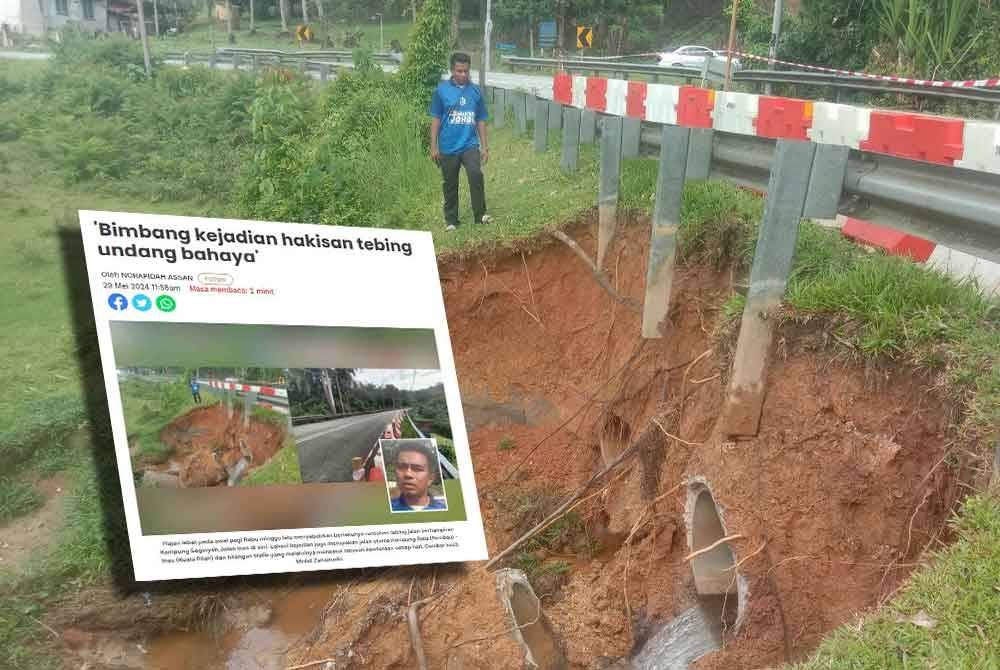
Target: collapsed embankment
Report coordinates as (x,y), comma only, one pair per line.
(212,445)
(826,510)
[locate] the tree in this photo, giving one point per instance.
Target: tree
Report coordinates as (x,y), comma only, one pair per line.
(456,13)
(427,55)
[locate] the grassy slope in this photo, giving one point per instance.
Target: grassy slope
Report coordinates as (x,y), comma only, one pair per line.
(198,37)
(895,309)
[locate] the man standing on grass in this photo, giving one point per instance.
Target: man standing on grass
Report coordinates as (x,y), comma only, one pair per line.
(458,137)
(195,391)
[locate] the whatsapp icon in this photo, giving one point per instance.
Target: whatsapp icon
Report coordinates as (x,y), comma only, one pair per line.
(165,303)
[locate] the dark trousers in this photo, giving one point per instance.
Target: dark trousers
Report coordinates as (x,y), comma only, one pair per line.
(450,167)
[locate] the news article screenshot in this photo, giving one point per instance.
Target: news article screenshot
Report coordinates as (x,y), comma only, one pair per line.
(261,378)
(499,334)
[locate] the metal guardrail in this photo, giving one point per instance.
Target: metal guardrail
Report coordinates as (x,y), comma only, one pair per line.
(951,206)
(446,465)
(836,81)
(575,65)
(847,82)
(333,55)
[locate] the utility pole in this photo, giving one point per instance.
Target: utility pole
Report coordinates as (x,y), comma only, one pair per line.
(144,38)
(252,27)
(732,45)
(156,19)
(487,39)
(772,50)
(229,21)
(413,10)
(305,13)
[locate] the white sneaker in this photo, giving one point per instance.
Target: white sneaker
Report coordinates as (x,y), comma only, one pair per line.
(486,219)
(450,228)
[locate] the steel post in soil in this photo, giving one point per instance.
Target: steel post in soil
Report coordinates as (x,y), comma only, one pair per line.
(520,103)
(631,130)
(499,108)
(666,220)
(570,139)
(588,126)
(541,125)
(772,264)
(700,153)
(607,199)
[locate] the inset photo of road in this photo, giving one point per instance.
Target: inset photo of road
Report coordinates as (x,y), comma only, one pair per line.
(199,427)
(340,414)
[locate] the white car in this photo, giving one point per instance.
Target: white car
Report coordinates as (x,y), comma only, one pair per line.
(694,57)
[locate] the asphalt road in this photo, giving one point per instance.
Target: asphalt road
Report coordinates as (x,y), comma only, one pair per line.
(326,448)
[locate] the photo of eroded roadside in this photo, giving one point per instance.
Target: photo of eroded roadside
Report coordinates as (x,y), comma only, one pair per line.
(208,427)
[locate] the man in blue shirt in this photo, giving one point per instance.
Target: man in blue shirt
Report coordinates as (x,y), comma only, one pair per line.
(416,469)
(196,391)
(458,137)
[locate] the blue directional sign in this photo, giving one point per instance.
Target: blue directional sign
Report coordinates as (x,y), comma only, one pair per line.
(547,34)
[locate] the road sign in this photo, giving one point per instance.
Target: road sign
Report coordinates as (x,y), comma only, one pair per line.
(547,34)
(304,33)
(584,37)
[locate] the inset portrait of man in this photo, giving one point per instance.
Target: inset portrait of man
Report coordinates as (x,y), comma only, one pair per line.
(417,471)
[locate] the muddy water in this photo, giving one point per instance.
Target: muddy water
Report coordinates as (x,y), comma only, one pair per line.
(259,646)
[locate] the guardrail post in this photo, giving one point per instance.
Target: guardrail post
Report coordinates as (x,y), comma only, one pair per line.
(229,403)
(249,400)
(700,153)
(237,60)
(253,63)
(211,61)
(607,199)
(674,144)
(588,126)
(530,102)
(570,139)
(324,72)
(826,181)
(499,107)
(555,115)
(772,264)
(631,128)
(520,102)
(541,124)
(187,59)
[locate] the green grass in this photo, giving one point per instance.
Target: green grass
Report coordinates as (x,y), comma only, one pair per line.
(506,443)
(149,406)
(959,591)
(283,468)
(200,37)
(17,498)
(881,308)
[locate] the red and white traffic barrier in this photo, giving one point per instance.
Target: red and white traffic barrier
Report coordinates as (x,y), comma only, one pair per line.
(973,145)
(953,262)
(246,388)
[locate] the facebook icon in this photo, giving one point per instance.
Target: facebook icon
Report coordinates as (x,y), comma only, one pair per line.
(117,302)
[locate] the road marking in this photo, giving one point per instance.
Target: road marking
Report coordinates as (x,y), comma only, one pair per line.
(333,429)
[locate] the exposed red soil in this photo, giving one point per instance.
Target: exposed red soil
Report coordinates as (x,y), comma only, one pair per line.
(835,499)
(207,443)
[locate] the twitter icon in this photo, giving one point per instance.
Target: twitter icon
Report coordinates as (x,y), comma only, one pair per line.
(142,302)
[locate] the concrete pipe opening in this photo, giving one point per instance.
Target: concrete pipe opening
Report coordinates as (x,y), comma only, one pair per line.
(544,652)
(615,436)
(715,576)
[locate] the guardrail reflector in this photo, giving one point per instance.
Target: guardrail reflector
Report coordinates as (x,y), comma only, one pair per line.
(562,88)
(635,99)
(789,118)
(597,93)
(917,137)
(694,107)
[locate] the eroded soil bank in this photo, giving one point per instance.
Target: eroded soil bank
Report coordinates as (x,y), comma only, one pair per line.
(208,444)
(833,502)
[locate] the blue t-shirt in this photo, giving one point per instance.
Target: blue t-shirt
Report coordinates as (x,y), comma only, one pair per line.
(460,108)
(194,387)
(399,505)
